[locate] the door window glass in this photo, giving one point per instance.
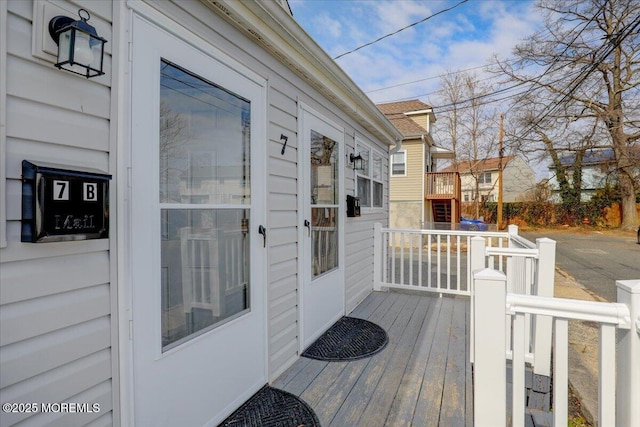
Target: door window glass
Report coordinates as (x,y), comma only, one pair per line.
(205,200)
(324,204)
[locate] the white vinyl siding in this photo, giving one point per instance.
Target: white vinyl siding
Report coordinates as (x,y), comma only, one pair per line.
(57,299)
(3,121)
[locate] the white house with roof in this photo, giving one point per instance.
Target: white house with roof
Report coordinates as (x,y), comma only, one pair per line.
(598,170)
(518,178)
(175,225)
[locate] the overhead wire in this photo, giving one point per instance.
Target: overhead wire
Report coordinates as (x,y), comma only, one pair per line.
(400,30)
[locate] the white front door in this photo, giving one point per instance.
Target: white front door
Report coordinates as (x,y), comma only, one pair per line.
(323,292)
(196,260)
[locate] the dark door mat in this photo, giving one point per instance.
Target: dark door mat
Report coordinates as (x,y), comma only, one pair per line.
(271,407)
(348,339)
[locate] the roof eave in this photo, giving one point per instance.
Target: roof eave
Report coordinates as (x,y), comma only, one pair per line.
(271,26)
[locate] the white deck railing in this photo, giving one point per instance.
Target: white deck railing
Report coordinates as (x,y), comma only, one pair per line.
(430,260)
(498,312)
(442,261)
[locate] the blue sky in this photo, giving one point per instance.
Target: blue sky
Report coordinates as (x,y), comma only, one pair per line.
(462,38)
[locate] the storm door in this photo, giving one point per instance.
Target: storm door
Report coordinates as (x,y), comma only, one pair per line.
(197,259)
(323,281)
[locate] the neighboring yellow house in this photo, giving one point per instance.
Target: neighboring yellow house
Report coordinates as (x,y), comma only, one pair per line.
(416,156)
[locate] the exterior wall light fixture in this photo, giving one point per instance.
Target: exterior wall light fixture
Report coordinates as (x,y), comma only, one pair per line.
(357,161)
(80,48)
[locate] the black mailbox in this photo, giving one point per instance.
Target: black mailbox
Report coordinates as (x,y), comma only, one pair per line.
(353,206)
(60,204)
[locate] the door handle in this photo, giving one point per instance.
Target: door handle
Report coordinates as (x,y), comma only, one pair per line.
(308,225)
(263,231)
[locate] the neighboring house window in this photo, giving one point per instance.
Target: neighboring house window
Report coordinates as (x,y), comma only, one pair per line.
(484,178)
(399,163)
(466,197)
(369,184)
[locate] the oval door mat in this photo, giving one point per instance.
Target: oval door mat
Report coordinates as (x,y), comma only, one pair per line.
(272,407)
(348,339)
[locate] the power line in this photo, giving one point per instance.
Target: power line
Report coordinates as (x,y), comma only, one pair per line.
(401,29)
(427,78)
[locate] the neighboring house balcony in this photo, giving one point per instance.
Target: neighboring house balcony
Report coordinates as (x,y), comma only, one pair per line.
(471,342)
(442,192)
(442,186)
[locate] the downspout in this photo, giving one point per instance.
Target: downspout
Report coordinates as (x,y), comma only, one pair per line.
(393,151)
(397,148)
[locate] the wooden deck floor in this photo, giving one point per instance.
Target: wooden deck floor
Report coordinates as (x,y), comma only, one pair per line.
(422,378)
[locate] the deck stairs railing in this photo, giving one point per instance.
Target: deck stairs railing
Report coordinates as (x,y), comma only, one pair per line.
(497,309)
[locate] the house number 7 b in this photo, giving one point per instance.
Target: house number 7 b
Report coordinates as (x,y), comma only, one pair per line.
(60,190)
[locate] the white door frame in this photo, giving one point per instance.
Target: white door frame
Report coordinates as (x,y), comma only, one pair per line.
(303,239)
(132,11)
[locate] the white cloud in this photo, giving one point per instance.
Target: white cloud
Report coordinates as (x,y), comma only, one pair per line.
(325,23)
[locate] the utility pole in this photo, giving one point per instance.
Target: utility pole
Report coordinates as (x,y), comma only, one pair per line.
(501,154)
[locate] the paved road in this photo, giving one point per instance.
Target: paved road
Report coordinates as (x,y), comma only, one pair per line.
(594,259)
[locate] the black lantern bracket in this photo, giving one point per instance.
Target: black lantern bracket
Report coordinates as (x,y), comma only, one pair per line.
(80,48)
(357,161)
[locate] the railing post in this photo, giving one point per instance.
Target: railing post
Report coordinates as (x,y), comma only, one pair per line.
(377,256)
(490,376)
(476,263)
(544,285)
(512,229)
(628,369)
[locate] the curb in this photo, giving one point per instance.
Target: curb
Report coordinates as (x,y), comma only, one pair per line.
(581,367)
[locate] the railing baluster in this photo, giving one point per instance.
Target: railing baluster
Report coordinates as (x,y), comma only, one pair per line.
(393,258)
(420,260)
(517,369)
(448,261)
(560,371)
(411,238)
(385,256)
(438,262)
(402,258)
(458,252)
(607,389)
(429,280)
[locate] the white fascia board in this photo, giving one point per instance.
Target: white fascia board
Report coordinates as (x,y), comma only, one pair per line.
(269,23)
(429,112)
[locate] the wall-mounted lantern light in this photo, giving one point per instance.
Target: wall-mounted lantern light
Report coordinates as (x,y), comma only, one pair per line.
(80,48)
(357,161)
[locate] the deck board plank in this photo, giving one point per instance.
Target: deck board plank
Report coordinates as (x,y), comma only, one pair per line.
(453,404)
(387,388)
(402,410)
(468,370)
(422,378)
(427,411)
(394,321)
